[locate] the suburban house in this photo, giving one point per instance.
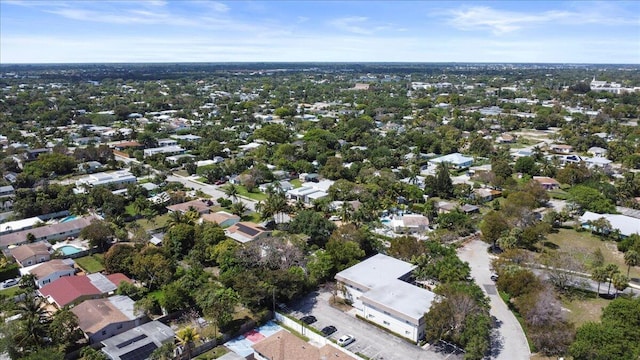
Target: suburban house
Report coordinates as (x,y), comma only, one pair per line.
(48,233)
(17,225)
(199,205)
(117,179)
(283,345)
(455,160)
(173,149)
(101,319)
(50,271)
(561,148)
(310,191)
(598,162)
(596,151)
(6,197)
(139,342)
(75,289)
(486,194)
(31,254)
(547,183)
(244,232)
(222,218)
(410,223)
(276,185)
(626,225)
(379,292)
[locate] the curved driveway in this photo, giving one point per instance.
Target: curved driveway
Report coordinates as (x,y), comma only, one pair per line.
(508,339)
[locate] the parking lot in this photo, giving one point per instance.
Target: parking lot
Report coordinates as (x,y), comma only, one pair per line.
(370,341)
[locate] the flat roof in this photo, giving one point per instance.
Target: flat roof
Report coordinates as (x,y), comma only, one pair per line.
(376,271)
(405,300)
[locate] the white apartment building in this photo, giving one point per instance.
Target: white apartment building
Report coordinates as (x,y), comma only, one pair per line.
(378,290)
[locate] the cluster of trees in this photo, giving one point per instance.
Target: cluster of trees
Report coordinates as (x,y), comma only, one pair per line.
(461,315)
(537,303)
(515,224)
(36,334)
(614,337)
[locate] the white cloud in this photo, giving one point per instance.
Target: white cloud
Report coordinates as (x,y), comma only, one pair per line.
(353,24)
(502,21)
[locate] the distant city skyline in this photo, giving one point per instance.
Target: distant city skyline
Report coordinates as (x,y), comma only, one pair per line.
(601,32)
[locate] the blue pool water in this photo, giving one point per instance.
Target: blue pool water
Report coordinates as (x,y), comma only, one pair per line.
(69,218)
(69,250)
(385,221)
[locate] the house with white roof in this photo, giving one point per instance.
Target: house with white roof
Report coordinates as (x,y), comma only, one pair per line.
(455,160)
(310,191)
(626,225)
(380,293)
(115,178)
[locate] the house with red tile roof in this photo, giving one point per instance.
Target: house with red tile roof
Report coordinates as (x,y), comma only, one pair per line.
(75,289)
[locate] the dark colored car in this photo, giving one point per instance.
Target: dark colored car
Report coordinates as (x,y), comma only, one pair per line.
(308,319)
(328,330)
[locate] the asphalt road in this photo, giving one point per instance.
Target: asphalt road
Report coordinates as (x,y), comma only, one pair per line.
(372,342)
(211,190)
(508,339)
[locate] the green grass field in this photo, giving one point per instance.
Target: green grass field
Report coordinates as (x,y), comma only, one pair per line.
(257,196)
(12,291)
(91,263)
(572,241)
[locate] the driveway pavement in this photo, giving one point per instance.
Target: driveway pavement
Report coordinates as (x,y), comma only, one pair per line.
(372,342)
(508,339)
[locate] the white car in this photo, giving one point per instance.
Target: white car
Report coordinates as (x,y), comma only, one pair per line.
(346,340)
(10,283)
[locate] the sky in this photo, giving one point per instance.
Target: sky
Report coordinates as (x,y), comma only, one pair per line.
(84,31)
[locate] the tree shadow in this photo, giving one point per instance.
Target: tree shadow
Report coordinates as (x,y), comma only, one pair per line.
(496,342)
(550,245)
(306,303)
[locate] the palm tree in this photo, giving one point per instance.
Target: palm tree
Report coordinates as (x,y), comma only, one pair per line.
(34,323)
(186,337)
(600,275)
(611,270)
(631,258)
(238,208)
(164,352)
(620,282)
(346,211)
(231,190)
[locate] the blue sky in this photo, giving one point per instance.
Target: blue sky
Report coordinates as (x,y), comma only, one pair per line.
(36,31)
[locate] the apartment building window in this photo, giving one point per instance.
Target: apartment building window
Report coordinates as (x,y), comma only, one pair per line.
(386,323)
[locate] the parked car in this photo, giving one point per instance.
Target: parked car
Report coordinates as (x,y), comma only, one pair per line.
(308,319)
(494,277)
(346,340)
(10,283)
(328,330)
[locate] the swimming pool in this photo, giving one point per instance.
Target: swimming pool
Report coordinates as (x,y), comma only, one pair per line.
(69,218)
(69,249)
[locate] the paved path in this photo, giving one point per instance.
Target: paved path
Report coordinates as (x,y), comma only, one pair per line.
(509,342)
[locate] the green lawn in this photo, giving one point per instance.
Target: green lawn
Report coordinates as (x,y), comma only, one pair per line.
(583,309)
(159,222)
(296,183)
(569,240)
(12,291)
(214,353)
(257,196)
(91,263)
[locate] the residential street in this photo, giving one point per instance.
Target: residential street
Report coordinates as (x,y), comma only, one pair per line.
(509,341)
(211,190)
